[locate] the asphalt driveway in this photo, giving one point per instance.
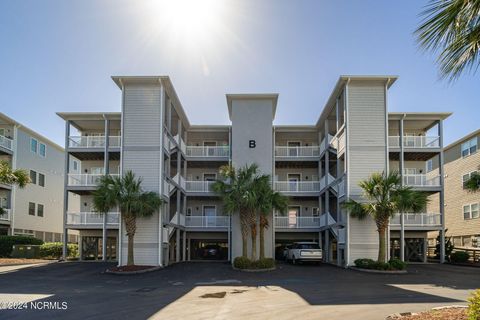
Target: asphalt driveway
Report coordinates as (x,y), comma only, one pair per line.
(215,291)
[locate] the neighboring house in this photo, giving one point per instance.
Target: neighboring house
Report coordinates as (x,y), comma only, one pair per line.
(462,208)
(37,209)
(318,166)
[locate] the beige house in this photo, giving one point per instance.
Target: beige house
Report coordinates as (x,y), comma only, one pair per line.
(318,166)
(462,208)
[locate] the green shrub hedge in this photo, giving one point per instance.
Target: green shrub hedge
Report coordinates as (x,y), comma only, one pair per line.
(245,263)
(459,257)
(393,264)
(474,306)
(7,242)
(54,250)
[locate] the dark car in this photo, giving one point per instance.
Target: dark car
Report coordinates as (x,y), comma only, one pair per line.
(211,251)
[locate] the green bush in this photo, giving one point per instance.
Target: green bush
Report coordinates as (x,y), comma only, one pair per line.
(364,263)
(242,263)
(474,306)
(265,263)
(54,250)
(7,242)
(459,257)
(397,264)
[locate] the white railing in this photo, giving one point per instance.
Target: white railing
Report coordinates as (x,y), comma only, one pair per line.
(114,141)
(85,180)
(417,220)
(322,144)
(86,141)
(92,218)
(179,180)
(207,221)
(181,143)
(326,219)
(5,216)
(167,188)
(415,141)
(295,222)
(297,186)
(421,180)
(297,152)
(168,141)
(6,142)
(326,180)
(341,187)
(339,142)
(178,219)
(199,186)
(206,151)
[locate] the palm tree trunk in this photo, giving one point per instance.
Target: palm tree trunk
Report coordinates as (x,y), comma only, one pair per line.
(382,244)
(262,236)
(244,230)
(130,261)
(130,228)
(253,231)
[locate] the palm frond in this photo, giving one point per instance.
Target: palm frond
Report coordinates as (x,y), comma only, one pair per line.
(356,209)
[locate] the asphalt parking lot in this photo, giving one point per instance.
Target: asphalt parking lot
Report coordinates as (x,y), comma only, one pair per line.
(209,290)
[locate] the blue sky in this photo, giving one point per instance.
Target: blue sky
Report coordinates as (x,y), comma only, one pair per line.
(59,56)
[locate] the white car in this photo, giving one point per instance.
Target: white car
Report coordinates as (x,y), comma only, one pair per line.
(304,251)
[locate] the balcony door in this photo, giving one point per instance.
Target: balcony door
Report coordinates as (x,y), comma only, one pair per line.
(293,214)
(293,180)
(210,214)
(293,150)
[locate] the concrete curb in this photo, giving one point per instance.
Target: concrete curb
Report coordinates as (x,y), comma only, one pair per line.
(27,264)
(406,314)
(379,271)
(129,273)
(254,270)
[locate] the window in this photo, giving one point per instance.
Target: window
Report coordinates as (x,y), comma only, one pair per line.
(315,212)
(2,132)
(42,150)
(75,165)
(31,208)
(429,165)
(469,147)
(40,210)
(41,180)
(466,177)
(33,145)
(33,176)
(471,211)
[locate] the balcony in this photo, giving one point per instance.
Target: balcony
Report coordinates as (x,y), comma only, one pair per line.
(417,220)
(424,142)
(339,142)
(92,219)
(297,186)
(6,143)
(294,222)
(421,180)
(297,152)
(207,221)
(322,144)
(326,180)
(199,186)
(85,180)
(93,141)
(208,151)
(6,215)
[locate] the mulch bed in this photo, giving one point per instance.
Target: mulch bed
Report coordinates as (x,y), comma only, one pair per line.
(130,268)
(435,314)
(15,261)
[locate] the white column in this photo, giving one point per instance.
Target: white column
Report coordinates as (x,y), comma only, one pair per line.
(65,194)
(106,170)
(442,193)
(402,217)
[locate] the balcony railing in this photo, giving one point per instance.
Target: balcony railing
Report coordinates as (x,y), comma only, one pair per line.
(326,180)
(5,216)
(339,142)
(417,220)
(322,144)
(415,141)
(208,152)
(6,143)
(199,186)
(85,180)
(326,219)
(297,152)
(93,141)
(92,218)
(421,180)
(207,221)
(295,222)
(297,186)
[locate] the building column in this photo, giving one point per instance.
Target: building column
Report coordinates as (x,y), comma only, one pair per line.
(189,249)
(442,193)
(184,246)
(402,216)
(80,247)
(65,194)
(106,167)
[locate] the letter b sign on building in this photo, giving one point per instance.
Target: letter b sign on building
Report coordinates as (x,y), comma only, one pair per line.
(252,144)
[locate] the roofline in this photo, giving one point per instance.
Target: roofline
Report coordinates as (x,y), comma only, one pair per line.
(89,115)
(30,131)
(342,81)
(462,139)
(251,96)
(421,115)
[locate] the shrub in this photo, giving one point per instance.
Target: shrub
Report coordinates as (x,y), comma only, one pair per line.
(364,263)
(242,263)
(55,250)
(7,242)
(265,263)
(474,306)
(397,264)
(459,257)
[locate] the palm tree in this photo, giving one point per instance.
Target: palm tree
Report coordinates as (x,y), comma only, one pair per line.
(385,196)
(268,201)
(452,28)
(127,194)
(473,184)
(19,177)
(235,188)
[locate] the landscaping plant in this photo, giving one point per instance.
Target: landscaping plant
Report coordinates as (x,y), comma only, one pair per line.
(474,306)
(7,243)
